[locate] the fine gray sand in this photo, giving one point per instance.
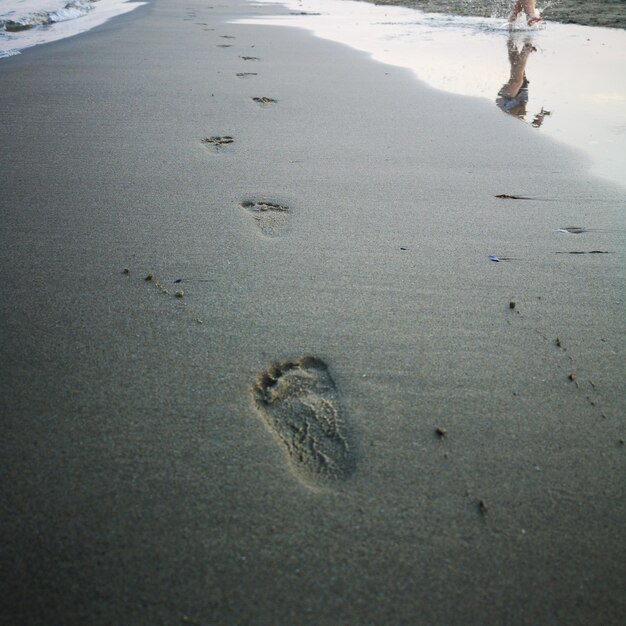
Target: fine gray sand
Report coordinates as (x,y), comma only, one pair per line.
(257,366)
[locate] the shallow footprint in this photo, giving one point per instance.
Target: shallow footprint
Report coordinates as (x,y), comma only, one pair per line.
(264,101)
(270,217)
(298,401)
(216,142)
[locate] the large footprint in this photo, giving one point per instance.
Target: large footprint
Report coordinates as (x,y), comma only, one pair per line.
(298,401)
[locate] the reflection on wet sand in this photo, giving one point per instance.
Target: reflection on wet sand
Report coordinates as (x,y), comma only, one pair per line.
(463,55)
(513,95)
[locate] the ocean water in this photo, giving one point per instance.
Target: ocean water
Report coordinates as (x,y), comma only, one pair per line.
(26,23)
(575,89)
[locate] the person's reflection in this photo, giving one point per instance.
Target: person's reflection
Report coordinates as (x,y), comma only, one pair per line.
(513,96)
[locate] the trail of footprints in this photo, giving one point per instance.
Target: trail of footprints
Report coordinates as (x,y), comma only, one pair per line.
(270,217)
(297,400)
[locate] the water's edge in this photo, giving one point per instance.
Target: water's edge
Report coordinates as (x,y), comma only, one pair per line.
(608,13)
(482,57)
(19,31)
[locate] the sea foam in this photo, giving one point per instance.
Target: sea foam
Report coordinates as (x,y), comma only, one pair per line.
(26,23)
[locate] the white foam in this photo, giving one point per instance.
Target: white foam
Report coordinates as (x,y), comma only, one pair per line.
(578,73)
(43,21)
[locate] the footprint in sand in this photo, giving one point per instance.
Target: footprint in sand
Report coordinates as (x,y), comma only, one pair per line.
(217,142)
(264,101)
(270,217)
(298,402)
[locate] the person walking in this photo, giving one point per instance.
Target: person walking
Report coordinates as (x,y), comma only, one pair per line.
(528,7)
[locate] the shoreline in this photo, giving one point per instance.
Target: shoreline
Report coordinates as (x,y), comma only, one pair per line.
(608,14)
(475,56)
(21,36)
(211,229)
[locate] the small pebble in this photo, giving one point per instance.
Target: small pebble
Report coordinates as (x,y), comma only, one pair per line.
(149,277)
(179,294)
(126,271)
(441,432)
(511,305)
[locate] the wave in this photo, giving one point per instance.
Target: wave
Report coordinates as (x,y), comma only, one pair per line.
(71,10)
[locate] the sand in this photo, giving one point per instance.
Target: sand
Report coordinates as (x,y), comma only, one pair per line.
(274,377)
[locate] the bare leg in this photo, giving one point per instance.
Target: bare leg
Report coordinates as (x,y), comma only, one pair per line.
(517,61)
(528,6)
(518,7)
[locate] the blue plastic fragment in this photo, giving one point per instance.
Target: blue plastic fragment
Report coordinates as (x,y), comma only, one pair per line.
(493,257)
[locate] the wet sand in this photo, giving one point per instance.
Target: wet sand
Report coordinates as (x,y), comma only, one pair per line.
(607,13)
(257,364)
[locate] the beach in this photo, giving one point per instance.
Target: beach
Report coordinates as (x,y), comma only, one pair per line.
(290,337)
